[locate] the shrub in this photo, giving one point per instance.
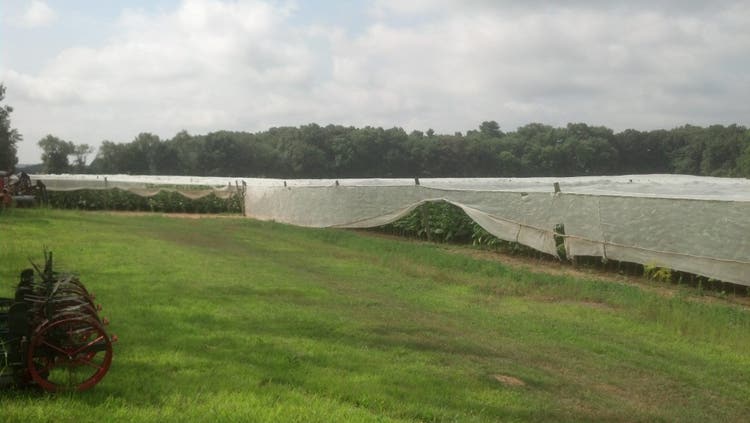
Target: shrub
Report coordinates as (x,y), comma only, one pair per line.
(654,272)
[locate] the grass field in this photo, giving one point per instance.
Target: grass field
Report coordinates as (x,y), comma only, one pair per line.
(239,320)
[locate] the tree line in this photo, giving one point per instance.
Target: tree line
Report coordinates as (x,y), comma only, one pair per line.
(334,151)
(313,151)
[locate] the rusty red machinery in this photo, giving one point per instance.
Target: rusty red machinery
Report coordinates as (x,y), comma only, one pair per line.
(51,334)
(19,190)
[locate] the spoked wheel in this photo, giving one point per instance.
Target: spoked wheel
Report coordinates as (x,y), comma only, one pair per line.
(70,354)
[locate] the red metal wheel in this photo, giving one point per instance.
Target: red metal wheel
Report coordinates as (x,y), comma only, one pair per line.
(71,354)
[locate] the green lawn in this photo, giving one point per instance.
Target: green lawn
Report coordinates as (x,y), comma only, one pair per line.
(239,320)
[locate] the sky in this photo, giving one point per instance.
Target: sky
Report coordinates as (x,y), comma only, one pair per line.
(87,71)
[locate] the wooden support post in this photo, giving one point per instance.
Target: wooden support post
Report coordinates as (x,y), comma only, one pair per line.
(244,196)
(426,221)
(240,192)
(106,194)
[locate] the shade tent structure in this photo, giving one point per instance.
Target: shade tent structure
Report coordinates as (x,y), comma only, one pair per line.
(699,225)
(145,186)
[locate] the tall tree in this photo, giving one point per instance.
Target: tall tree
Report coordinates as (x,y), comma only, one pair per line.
(81,151)
(106,158)
(9,137)
(143,154)
(55,154)
(490,129)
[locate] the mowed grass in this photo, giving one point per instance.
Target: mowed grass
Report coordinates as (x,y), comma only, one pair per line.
(239,320)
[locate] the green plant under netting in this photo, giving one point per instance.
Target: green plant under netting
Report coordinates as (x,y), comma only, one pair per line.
(443,222)
(654,272)
(434,221)
(164,201)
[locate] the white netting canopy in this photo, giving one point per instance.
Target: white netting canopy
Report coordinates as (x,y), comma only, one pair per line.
(699,225)
(694,224)
(143,185)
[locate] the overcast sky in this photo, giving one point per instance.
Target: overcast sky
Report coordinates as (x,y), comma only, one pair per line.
(89,70)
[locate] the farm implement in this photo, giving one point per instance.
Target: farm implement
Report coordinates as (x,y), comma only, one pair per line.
(19,190)
(51,334)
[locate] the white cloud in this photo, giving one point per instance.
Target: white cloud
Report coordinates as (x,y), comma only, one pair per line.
(642,70)
(38,14)
(245,65)
(208,65)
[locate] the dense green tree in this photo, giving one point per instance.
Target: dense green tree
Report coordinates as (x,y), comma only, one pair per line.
(722,149)
(743,162)
(584,150)
(9,137)
(312,151)
(509,165)
(106,159)
(490,129)
(81,153)
(685,145)
(143,154)
(225,153)
(641,152)
(300,154)
(55,154)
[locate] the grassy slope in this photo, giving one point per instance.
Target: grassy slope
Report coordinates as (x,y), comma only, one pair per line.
(233,319)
